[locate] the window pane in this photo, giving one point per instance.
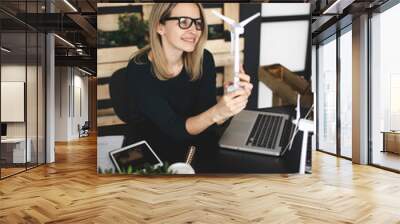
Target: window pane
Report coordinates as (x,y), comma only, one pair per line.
(327,97)
(284,9)
(345,94)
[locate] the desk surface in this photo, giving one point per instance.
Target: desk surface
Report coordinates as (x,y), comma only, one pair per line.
(13,140)
(391,132)
(231,161)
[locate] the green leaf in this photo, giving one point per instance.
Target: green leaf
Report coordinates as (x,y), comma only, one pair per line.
(130,169)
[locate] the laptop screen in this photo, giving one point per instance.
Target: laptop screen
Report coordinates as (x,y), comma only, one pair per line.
(3,129)
(137,156)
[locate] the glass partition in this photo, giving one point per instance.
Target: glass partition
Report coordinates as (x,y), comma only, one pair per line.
(13,114)
(32,85)
(22,89)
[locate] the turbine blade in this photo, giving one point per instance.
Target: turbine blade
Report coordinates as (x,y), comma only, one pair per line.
(296,122)
(296,129)
(226,19)
(246,21)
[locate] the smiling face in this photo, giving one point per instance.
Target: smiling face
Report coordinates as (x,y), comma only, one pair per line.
(177,38)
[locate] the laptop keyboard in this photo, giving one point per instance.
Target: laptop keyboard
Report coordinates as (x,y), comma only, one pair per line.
(265,131)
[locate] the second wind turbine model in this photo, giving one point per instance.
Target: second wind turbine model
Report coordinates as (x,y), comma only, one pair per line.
(236,29)
(306,126)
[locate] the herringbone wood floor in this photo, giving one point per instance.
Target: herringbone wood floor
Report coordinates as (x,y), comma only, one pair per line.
(70,191)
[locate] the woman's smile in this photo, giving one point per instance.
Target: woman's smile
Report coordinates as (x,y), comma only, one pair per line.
(189,39)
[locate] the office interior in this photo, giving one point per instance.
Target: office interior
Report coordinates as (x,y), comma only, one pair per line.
(357,82)
(48,71)
(332,64)
(355,78)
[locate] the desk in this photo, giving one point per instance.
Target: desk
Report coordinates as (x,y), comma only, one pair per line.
(230,161)
(217,160)
(16,147)
(391,141)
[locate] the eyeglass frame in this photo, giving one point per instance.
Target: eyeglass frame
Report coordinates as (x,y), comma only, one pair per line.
(192,20)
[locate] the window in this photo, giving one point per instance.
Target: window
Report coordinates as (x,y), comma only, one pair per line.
(327,96)
(346,93)
(385,86)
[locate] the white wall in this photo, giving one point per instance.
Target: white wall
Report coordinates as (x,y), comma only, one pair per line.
(282,42)
(70,83)
(12,73)
(62,80)
(80,84)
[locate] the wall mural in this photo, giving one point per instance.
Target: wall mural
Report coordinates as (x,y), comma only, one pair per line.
(164,101)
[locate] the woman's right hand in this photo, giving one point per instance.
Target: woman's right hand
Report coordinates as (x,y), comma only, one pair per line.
(230,104)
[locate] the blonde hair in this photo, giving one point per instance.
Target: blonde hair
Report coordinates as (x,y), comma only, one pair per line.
(192,61)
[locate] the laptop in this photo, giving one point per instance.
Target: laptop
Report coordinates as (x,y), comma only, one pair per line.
(3,131)
(258,132)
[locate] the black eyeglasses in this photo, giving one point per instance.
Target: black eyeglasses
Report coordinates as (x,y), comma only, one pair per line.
(186,22)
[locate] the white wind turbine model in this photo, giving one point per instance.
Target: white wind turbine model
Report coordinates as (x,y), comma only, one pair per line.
(306,126)
(236,29)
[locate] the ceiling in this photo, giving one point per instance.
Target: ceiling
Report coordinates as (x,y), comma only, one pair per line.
(79,27)
(328,16)
(73,20)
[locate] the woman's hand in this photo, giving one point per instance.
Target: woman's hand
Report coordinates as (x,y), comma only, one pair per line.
(228,105)
(232,103)
(245,81)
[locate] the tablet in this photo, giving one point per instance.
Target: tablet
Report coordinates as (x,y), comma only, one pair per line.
(136,155)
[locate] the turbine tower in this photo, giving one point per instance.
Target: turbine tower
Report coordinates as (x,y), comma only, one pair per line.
(236,29)
(306,126)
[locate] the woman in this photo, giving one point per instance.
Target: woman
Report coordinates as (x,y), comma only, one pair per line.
(172,88)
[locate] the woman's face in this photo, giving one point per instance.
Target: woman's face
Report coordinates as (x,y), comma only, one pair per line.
(176,37)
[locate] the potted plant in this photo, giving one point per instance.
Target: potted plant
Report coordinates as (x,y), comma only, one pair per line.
(132,31)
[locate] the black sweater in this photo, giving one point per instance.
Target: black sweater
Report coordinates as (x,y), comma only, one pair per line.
(158,109)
